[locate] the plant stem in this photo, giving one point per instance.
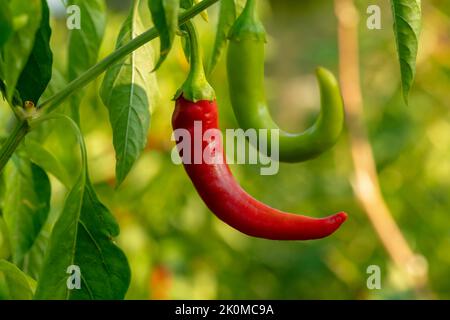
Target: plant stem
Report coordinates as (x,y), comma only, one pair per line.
(50,104)
(196,87)
(13,142)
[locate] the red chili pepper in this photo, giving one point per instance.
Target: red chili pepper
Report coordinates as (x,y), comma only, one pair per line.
(215,182)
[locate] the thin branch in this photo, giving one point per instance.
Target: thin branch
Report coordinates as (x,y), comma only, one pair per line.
(117,55)
(365,184)
(49,105)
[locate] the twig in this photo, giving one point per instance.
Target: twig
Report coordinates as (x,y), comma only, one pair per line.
(365,182)
(49,105)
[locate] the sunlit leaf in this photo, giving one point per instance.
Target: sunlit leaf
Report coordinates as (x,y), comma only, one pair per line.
(56,84)
(34,258)
(46,160)
(84,43)
(407,25)
(128,91)
(227,16)
(165,18)
(19,286)
(26,204)
(5,246)
(83,237)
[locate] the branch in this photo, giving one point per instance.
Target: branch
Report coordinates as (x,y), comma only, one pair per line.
(117,55)
(49,105)
(366,185)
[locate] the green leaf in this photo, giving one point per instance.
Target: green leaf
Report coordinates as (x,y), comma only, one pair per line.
(46,160)
(5,23)
(5,246)
(19,286)
(407,24)
(84,44)
(46,129)
(227,16)
(127,91)
(165,18)
(57,83)
(83,237)
(26,204)
(38,70)
(186,4)
(240,4)
(2,189)
(16,51)
(34,259)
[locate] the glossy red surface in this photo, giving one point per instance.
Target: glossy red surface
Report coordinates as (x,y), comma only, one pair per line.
(228,201)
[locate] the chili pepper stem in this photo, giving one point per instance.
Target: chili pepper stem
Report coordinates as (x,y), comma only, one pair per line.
(248,25)
(250,10)
(196,87)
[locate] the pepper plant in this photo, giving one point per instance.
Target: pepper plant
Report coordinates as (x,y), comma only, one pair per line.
(74,256)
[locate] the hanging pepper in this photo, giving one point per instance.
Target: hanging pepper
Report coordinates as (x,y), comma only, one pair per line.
(195,103)
(245,66)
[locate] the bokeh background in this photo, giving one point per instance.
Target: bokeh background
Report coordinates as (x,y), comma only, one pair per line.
(178,250)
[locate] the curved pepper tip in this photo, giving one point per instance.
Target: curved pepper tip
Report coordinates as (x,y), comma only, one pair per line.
(324,73)
(339,218)
(334,222)
(342,216)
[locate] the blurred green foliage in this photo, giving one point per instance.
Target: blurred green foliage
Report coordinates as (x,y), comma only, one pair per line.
(179,250)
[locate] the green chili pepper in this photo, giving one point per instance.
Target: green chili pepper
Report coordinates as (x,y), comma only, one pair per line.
(245,64)
(214,182)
